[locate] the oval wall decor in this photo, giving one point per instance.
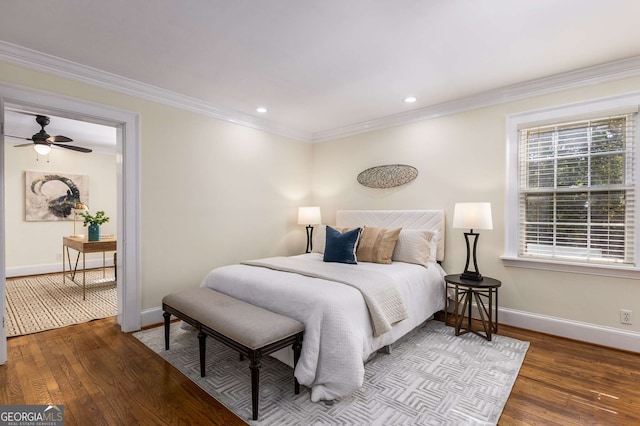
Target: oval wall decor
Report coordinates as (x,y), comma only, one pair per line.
(387,176)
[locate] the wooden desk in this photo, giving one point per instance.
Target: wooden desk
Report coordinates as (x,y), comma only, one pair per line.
(82,245)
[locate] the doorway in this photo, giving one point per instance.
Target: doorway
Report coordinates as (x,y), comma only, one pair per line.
(43,185)
(127,159)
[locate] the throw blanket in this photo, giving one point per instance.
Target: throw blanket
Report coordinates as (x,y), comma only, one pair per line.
(381,296)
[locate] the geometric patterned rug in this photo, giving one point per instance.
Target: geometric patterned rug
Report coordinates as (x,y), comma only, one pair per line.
(43,302)
(431,377)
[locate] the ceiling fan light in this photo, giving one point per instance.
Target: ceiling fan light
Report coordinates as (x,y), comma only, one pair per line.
(42,149)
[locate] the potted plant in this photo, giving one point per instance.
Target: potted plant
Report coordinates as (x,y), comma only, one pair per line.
(94,223)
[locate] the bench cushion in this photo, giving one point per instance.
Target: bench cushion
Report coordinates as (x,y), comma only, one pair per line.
(249,325)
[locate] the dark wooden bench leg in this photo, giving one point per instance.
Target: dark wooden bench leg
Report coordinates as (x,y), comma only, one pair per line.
(254,355)
(255,385)
(297,347)
(167,326)
(202,338)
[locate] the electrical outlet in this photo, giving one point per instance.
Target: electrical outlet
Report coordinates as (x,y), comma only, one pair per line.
(625,316)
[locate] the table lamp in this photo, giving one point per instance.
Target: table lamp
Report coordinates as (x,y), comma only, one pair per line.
(78,208)
(472,216)
(309,216)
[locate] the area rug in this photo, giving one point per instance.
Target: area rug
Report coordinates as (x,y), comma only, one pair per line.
(431,377)
(44,302)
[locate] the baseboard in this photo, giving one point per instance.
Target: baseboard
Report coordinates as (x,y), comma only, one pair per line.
(151,316)
(586,332)
(50,268)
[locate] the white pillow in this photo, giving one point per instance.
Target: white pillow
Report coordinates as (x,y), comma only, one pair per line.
(416,246)
(319,239)
(434,247)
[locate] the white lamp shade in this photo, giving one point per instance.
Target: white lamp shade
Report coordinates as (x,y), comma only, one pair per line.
(472,216)
(309,216)
(42,149)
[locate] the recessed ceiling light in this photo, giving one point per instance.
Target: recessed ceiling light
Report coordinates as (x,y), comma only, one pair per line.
(410,99)
(261,110)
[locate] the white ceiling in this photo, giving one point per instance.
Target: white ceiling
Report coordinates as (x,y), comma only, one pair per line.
(319,66)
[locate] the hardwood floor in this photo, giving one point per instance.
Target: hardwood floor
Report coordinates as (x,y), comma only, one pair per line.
(564,382)
(103,376)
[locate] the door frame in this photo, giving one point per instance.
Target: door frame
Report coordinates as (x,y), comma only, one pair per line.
(127,124)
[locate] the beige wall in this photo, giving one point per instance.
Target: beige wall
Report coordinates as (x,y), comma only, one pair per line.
(212,192)
(461,158)
(40,243)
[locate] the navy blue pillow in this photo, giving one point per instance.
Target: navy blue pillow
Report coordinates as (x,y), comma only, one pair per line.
(341,247)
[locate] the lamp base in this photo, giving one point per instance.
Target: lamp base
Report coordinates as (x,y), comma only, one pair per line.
(471,276)
(309,239)
(471,257)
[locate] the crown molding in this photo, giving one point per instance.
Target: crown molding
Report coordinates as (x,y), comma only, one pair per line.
(39,61)
(50,64)
(616,70)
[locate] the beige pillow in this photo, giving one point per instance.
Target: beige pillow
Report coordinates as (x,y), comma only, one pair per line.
(414,246)
(376,244)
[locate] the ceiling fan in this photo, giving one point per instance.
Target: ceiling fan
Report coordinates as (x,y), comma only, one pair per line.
(42,142)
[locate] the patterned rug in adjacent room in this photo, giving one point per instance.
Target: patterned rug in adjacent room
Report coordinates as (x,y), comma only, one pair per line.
(431,377)
(43,302)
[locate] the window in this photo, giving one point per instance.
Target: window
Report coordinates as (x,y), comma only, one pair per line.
(576,180)
(571,189)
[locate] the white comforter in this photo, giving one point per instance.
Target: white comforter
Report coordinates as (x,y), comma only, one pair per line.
(338,335)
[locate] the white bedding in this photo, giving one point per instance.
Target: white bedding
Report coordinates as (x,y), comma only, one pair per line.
(338,335)
(379,291)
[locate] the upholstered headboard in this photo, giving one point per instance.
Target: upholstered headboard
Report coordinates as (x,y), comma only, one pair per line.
(432,220)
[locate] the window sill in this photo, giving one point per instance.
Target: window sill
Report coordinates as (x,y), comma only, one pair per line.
(573,268)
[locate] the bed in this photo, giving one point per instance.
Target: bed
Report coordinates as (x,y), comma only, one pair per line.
(339,335)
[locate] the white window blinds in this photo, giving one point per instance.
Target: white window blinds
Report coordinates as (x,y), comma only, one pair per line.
(576,190)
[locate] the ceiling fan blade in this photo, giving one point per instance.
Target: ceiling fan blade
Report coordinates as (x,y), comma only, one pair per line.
(18,137)
(24,144)
(74,148)
(59,139)
(21,111)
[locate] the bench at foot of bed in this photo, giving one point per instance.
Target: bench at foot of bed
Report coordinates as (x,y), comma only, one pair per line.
(251,330)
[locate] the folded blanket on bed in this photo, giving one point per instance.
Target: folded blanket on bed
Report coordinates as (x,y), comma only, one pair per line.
(381,296)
